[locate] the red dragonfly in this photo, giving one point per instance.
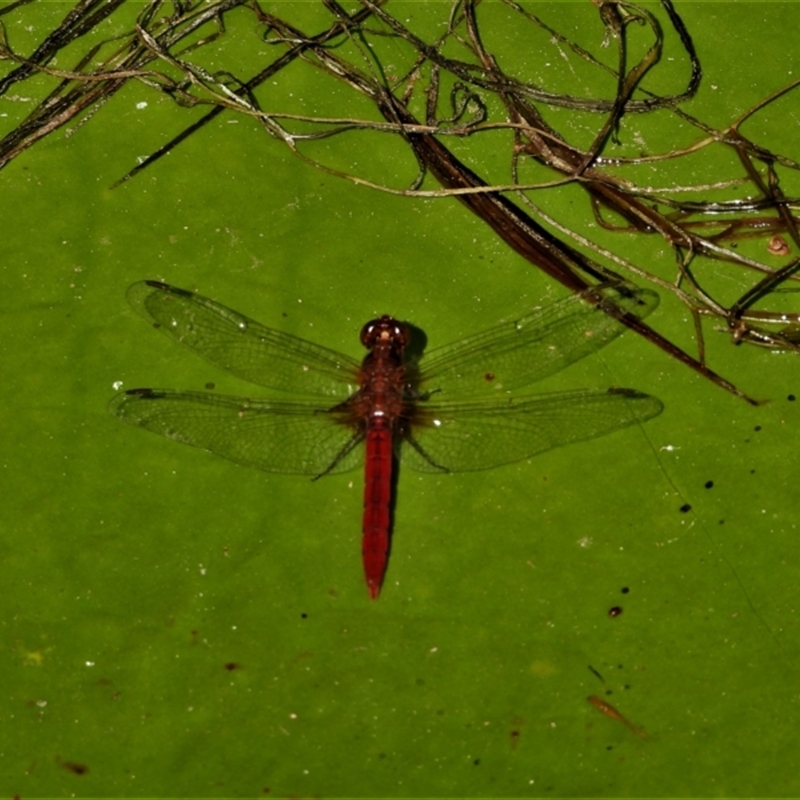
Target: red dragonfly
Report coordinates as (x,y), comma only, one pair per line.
(452,411)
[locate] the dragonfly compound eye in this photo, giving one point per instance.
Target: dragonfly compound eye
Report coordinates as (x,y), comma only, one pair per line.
(385,329)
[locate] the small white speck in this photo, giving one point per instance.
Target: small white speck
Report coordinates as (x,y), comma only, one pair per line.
(141,105)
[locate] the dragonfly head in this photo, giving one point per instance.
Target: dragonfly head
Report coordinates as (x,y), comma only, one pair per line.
(385,331)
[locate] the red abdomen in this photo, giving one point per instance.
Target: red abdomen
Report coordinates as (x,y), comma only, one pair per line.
(377,500)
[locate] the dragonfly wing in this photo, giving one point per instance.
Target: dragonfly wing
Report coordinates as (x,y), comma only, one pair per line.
(516,354)
(243,346)
(293,438)
(461,437)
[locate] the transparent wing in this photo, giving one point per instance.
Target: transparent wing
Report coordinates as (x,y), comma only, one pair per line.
(294,438)
(460,437)
(516,354)
(243,346)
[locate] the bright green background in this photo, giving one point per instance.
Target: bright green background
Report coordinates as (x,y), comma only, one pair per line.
(134,570)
